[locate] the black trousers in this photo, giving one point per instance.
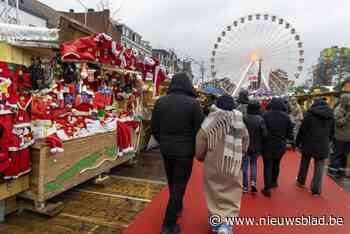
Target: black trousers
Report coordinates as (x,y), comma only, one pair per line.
(339,158)
(318,173)
(271,171)
(178,173)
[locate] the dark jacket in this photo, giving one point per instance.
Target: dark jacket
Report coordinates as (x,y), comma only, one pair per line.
(316,131)
(176,119)
(243,101)
(280,129)
(256,128)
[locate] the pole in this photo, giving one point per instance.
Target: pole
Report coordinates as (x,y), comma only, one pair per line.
(7,12)
(17,15)
(263,78)
(202,69)
(259,74)
(243,78)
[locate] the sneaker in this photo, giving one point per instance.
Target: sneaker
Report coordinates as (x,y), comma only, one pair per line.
(266,193)
(170,230)
(245,190)
(253,189)
(225,229)
(315,194)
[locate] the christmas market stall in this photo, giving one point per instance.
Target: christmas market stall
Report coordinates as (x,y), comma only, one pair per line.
(18,44)
(89,120)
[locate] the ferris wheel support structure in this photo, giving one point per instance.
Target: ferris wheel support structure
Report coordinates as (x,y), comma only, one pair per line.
(245,73)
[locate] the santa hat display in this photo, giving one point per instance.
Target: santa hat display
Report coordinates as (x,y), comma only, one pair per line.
(81,49)
(55,144)
(124,139)
(83,109)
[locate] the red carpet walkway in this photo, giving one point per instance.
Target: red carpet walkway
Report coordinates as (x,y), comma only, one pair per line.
(287,201)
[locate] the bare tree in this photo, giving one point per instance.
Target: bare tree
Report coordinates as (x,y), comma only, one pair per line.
(108,5)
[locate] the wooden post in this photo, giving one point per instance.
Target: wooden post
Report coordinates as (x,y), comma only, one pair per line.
(2,210)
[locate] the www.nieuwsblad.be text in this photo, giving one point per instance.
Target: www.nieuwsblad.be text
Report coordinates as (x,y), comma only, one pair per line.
(326,220)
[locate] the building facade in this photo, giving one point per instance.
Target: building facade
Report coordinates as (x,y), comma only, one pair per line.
(101,21)
(169,60)
(333,66)
(23,14)
(132,39)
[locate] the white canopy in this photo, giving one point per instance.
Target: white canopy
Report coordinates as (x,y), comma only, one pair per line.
(13,33)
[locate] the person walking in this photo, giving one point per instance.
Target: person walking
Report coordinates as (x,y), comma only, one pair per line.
(257,132)
(280,129)
(338,161)
(221,143)
(242,101)
(176,118)
(296,114)
(314,136)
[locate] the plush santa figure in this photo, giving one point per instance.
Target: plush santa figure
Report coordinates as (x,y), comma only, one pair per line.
(22,118)
(8,92)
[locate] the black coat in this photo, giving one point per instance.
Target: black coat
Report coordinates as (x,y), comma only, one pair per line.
(257,132)
(176,119)
(316,131)
(280,129)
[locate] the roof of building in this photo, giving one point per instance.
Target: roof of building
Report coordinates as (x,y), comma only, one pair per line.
(41,10)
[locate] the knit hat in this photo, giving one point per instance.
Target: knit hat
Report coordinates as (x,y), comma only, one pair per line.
(225,102)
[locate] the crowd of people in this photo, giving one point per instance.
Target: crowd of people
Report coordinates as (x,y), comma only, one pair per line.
(233,135)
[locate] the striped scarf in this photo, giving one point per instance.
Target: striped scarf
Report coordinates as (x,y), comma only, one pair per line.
(228,125)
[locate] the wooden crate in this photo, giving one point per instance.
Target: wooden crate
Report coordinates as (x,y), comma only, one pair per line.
(82,160)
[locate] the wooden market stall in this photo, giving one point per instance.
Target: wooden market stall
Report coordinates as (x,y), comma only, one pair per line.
(306,100)
(15,52)
(81,157)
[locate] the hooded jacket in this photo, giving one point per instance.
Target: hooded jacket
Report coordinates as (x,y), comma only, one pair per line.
(316,131)
(176,118)
(279,127)
(256,127)
(243,100)
(342,119)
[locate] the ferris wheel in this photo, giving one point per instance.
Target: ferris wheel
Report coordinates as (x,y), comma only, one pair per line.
(259,45)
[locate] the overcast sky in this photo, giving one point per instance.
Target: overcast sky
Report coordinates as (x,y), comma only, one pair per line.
(192,26)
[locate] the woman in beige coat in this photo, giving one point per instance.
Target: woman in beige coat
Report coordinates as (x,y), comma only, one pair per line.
(221,142)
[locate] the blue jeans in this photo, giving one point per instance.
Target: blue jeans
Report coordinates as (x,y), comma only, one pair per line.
(249,158)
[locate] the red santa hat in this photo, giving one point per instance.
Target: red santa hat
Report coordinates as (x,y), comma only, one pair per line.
(55,144)
(83,109)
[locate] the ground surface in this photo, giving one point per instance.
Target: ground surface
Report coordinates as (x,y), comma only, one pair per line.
(95,209)
(125,205)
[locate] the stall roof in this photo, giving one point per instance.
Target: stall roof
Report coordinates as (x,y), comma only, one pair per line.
(16,33)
